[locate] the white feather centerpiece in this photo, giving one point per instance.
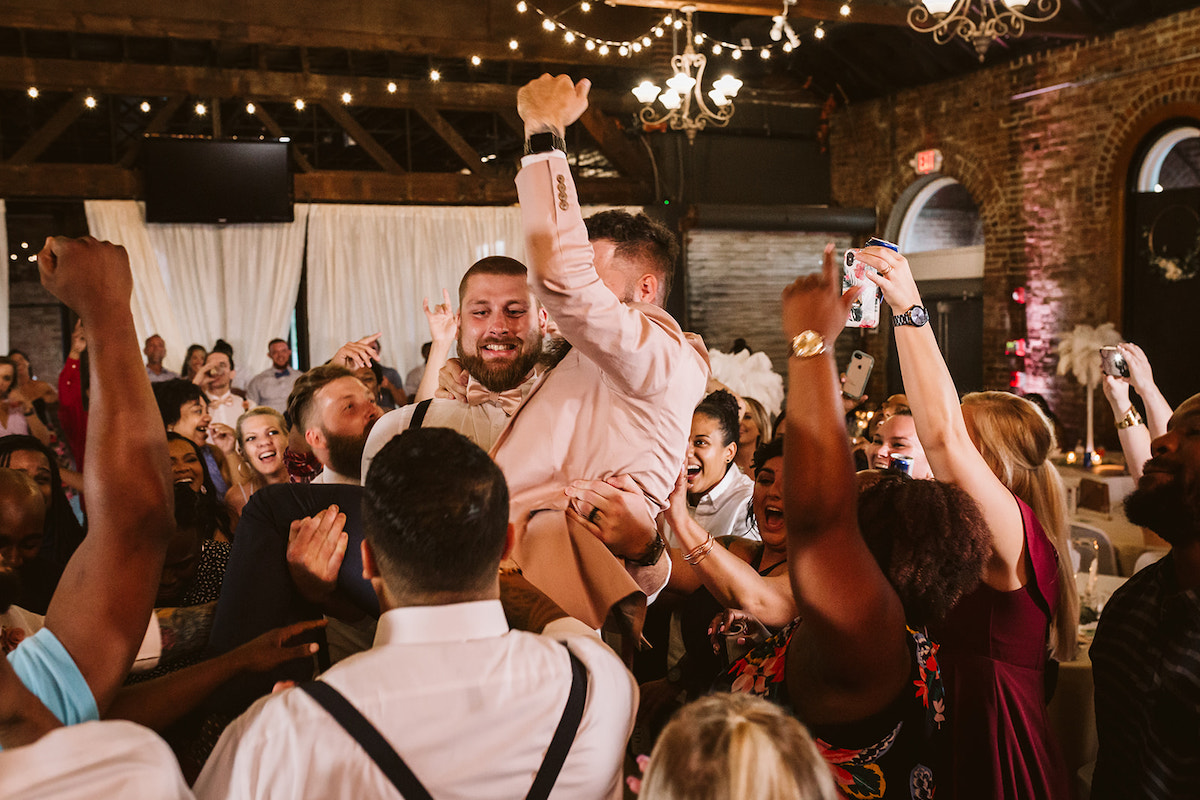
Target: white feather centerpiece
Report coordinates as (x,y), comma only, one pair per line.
(1079,354)
(749,375)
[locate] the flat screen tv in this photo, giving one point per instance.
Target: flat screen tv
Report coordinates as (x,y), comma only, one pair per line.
(205,181)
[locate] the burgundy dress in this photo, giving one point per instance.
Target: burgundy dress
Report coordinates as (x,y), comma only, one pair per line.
(993,660)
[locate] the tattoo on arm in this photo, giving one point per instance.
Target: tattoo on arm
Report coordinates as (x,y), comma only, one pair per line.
(185,630)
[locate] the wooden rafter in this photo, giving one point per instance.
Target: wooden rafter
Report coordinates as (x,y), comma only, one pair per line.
(273,127)
(148,79)
(827,10)
(158,124)
(365,140)
(625,154)
(90,181)
(67,113)
(451,137)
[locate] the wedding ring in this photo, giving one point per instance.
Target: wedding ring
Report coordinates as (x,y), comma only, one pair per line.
(592,516)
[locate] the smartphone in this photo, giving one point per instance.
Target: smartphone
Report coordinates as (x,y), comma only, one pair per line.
(1113,363)
(857,373)
(864,313)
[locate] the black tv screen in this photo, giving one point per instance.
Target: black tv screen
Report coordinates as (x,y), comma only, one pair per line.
(205,181)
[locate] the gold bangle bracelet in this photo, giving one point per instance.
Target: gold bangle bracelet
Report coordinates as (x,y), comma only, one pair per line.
(697,554)
(1131,418)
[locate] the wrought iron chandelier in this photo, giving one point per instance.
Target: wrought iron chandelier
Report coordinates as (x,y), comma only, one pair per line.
(684,107)
(979,21)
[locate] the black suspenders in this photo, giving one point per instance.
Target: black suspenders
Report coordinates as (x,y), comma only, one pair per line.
(393,766)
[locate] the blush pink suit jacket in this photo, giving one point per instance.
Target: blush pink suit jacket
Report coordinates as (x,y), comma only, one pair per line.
(620,402)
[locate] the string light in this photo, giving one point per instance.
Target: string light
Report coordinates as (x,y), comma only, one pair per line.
(644,41)
(434,75)
(33,92)
(145,107)
(299,104)
(391,87)
(201,109)
(250,109)
(475,62)
(844,10)
(819,32)
(346,98)
(89,101)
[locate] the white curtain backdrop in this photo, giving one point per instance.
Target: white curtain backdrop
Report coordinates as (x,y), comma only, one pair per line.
(370,268)
(3,278)
(198,283)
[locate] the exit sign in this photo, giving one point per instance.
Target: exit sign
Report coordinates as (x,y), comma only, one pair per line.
(928,162)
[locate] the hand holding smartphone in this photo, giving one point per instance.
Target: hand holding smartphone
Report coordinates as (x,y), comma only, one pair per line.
(1112,362)
(858,371)
(864,312)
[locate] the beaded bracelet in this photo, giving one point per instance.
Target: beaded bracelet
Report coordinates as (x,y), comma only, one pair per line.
(696,555)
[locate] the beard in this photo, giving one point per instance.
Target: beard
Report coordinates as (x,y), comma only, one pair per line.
(10,587)
(1172,510)
(501,377)
(345,453)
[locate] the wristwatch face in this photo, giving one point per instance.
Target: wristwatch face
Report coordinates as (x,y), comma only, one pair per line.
(918,315)
(807,343)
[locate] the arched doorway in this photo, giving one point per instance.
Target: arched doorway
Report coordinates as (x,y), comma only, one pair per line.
(937,225)
(1162,280)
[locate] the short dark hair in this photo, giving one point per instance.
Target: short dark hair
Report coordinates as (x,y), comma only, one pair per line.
(765,452)
(722,407)
(172,396)
(639,237)
(300,400)
(435,512)
(222,346)
(277,341)
(491,265)
(929,538)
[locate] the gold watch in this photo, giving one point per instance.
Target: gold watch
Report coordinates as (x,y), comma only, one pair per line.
(807,344)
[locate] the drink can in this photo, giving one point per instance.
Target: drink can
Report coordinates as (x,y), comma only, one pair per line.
(901,464)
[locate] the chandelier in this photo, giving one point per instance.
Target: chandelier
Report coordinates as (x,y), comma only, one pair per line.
(684,107)
(978,21)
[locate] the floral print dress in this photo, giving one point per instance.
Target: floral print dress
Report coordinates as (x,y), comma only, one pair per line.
(891,754)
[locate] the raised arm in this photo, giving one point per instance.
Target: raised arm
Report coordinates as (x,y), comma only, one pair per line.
(1141,377)
(732,581)
(443,327)
(1134,436)
(103,602)
(940,425)
(853,623)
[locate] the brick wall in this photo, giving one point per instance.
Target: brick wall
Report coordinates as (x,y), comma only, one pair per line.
(1046,173)
(735,279)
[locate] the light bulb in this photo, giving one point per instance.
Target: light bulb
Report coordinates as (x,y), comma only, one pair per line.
(728,85)
(512,44)
(589,45)
(346,98)
(250,109)
(33,92)
(145,107)
(681,83)
(718,98)
(89,101)
(434,75)
(670,99)
(646,92)
(736,55)
(476,61)
(201,110)
(299,104)
(548,24)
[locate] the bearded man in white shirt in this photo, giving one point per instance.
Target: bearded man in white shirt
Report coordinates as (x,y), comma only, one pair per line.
(471,707)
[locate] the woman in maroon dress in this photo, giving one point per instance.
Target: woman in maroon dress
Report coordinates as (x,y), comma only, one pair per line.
(995,642)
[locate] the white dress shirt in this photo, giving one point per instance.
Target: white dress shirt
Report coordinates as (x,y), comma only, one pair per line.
(469,705)
(225,409)
(113,758)
(722,510)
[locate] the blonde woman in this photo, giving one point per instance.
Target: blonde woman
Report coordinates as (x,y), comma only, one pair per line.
(995,641)
(735,746)
(262,438)
(753,432)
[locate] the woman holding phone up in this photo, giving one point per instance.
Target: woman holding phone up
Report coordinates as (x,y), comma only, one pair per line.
(995,641)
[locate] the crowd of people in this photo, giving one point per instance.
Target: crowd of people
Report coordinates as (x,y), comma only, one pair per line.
(565,562)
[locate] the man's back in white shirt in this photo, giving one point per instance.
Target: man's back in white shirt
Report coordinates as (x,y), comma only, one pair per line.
(470,706)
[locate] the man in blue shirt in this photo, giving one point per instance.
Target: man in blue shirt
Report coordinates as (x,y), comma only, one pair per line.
(99,613)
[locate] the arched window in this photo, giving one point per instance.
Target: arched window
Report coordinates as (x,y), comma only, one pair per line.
(1172,161)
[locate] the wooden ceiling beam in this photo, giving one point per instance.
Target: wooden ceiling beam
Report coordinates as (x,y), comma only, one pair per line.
(359,134)
(457,29)
(273,128)
(825,10)
(451,137)
(626,154)
(153,80)
(44,136)
(158,124)
(95,182)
